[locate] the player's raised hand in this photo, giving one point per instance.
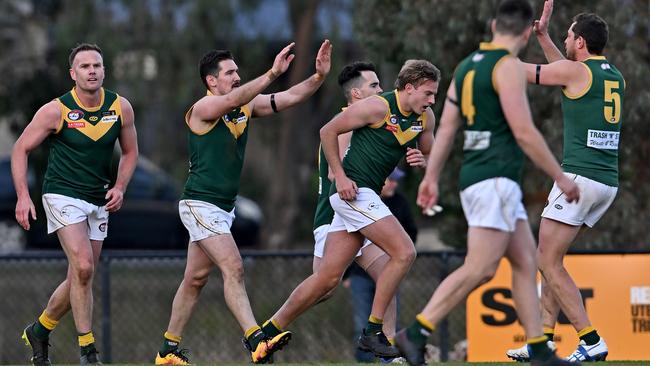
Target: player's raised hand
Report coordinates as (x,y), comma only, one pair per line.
(283,60)
(569,188)
(427,195)
(541,26)
(25,207)
(346,188)
(324,58)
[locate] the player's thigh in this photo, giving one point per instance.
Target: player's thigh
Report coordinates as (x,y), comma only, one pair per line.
(222,251)
(389,235)
(485,248)
(555,239)
(521,249)
(75,243)
(341,248)
(372,260)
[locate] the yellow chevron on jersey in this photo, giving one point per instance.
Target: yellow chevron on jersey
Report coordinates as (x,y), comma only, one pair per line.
(391,123)
(83,125)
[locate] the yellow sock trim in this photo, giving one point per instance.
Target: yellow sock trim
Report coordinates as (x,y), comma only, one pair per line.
(374,319)
(425,322)
(547,329)
(47,322)
(173,338)
(539,339)
(585,331)
(251,330)
(392,341)
(86,339)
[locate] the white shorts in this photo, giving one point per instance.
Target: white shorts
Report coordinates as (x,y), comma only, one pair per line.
(353,216)
(595,199)
(493,203)
(320,235)
(203,220)
(62,211)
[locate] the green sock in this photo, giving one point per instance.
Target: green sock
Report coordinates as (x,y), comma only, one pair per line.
(539,349)
(87,349)
(373,327)
(40,331)
(270,329)
(591,338)
(418,333)
(168,347)
(255,338)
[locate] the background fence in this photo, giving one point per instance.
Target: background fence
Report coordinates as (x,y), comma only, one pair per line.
(133,294)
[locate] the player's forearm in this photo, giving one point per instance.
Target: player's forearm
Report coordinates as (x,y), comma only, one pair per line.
(19,171)
(534,146)
(444,141)
(128,162)
(245,93)
(300,92)
(551,52)
(330,144)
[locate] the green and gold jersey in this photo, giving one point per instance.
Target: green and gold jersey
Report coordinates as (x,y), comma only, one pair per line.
(376,149)
(592,123)
(81,149)
(324,212)
(217,158)
(490,150)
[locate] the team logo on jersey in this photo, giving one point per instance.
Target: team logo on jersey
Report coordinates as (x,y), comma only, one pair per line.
(75,114)
(76,124)
(93,118)
(393,119)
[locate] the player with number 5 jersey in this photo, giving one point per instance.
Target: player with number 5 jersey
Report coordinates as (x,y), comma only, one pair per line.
(593,91)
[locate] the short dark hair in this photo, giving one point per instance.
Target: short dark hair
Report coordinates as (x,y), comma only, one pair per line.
(514,17)
(209,64)
(82,47)
(415,72)
(593,29)
(349,76)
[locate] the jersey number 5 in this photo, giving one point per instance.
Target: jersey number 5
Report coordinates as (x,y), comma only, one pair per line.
(612,112)
(467,99)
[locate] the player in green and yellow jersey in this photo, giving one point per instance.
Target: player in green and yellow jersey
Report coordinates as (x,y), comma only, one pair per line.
(218,127)
(487,97)
(358,81)
(82,127)
(385,128)
(593,92)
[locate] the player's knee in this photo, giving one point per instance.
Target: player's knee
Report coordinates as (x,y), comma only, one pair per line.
(234,271)
(328,280)
(406,256)
(84,271)
(197,279)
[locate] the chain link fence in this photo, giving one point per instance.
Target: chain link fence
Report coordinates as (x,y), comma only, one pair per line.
(133,294)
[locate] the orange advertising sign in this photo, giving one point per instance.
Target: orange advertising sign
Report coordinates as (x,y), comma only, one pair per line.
(616,293)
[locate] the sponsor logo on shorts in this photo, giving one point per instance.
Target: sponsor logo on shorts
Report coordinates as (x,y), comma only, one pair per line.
(102,227)
(558,206)
(373,206)
(75,114)
(76,124)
